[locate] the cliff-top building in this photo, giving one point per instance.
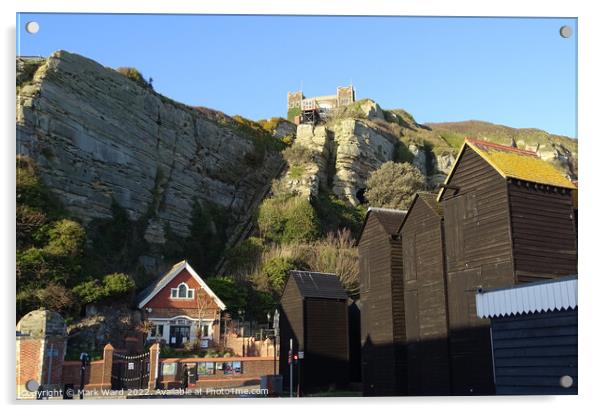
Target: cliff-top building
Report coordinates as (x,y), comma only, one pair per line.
(302,109)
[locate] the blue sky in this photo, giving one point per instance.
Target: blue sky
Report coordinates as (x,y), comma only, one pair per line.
(517,72)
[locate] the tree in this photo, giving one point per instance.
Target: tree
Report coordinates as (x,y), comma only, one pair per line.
(393,185)
(232,294)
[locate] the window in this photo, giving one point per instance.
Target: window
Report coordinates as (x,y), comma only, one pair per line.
(169,369)
(205,330)
(157,330)
(206,368)
(182,292)
(232,367)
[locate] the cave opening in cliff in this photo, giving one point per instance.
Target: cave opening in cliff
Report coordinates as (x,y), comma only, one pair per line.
(360,195)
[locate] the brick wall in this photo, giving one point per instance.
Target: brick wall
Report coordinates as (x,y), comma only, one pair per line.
(28,362)
(252,369)
(92,379)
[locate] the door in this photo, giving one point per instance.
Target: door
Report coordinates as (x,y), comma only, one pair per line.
(178,335)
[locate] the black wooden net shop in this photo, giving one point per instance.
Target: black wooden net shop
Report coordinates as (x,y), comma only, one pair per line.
(384,362)
(314,314)
(503,217)
(425,295)
(533,336)
(508,219)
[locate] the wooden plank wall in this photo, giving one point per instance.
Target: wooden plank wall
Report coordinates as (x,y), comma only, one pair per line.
(479,255)
(326,360)
(291,325)
(543,231)
(532,352)
(425,302)
(380,352)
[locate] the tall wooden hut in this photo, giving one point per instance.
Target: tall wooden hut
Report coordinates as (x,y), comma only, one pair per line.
(425,295)
(381,292)
(508,219)
(355,340)
(314,313)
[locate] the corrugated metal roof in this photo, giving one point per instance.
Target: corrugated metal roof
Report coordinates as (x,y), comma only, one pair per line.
(558,294)
(318,285)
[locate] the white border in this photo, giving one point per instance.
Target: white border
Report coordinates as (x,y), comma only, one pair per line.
(590,33)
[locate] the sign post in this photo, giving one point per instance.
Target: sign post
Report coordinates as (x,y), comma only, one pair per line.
(290,364)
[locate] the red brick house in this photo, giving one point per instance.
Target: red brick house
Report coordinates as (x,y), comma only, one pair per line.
(182,308)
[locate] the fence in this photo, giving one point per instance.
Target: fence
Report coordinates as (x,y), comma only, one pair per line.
(174,373)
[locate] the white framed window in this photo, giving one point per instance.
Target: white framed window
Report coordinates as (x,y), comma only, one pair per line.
(157,330)
(182,291)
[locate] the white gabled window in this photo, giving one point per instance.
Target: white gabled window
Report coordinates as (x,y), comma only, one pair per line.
(182,291)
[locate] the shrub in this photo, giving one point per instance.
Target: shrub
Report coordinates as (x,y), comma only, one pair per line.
(27,301)
(89,292)
(296,172)
(270,125)
(55,297)
(261,138)
(31,266)
(31,191)
(66,238)
(335,254)
(241,257)
(298,155)
(260,303)
(292,113)
(112,286)
(336,215)
(276,271)
(393,185)
(288,219)
(135,75)
(29,222)
(118,285)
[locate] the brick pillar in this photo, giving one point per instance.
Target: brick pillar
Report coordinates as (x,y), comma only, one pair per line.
(41,345)
(107,367)
(155,351)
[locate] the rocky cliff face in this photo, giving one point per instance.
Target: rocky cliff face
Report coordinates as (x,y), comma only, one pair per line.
(345,153)
(347,149)
(98,137)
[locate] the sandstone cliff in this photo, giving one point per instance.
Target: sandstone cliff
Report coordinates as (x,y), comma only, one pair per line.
(98,137)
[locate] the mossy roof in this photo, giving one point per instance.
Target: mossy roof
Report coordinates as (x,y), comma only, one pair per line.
(516,163)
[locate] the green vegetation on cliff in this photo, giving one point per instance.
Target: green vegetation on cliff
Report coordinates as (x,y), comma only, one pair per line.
(52,253)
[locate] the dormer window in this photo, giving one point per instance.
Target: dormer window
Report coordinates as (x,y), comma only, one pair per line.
(182,292)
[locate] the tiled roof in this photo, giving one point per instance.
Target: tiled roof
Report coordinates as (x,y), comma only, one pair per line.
(520,164)
(318,285)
